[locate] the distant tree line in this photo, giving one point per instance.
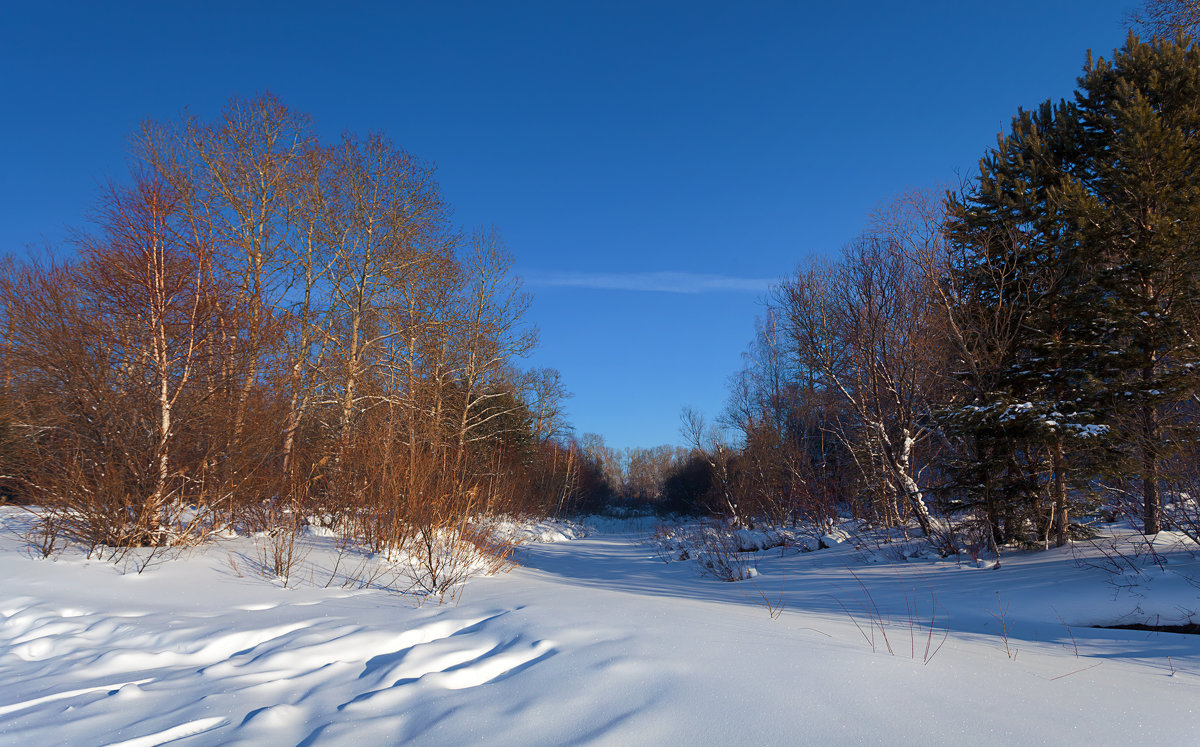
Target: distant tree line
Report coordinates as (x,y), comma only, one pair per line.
(633,477)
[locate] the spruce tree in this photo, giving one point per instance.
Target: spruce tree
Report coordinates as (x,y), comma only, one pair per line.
(1020,263)
(1089,211)
(1139,118)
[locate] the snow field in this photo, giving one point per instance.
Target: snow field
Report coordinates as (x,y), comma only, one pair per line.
(597,640)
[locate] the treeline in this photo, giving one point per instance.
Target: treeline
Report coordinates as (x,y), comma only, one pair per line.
(264,330)
(634,476)
(988,365)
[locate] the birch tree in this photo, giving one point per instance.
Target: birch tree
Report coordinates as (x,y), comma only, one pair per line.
(865,330)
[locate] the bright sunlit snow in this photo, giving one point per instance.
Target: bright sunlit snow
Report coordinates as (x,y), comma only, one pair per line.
(598,639)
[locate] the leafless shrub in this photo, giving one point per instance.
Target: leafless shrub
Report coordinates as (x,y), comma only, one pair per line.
(976,538)
(1002,618)
(277,548)
(42,535)
(874,621)
(874,626)
(720,557)
(774,606)
(355,569)
(662,539)
(443,557)
(1124,557)
(710,544)
(1070,633)
(233,565)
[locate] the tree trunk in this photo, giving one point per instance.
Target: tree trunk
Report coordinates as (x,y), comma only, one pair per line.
(1151,500)
(1060,494)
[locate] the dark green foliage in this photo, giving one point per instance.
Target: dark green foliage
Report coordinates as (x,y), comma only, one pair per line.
(1030,390)
(1140,118)
(1079,243)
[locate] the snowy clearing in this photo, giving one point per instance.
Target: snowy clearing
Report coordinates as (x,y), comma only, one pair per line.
(599,640)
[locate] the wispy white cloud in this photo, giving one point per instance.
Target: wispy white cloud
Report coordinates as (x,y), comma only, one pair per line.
(654,282)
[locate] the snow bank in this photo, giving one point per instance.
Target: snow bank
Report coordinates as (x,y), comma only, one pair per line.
(752,540)
(834,537)
(521,531)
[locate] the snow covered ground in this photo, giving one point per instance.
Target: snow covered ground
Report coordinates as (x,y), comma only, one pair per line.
(597,639)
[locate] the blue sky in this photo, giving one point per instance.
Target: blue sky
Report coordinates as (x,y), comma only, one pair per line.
(626,151)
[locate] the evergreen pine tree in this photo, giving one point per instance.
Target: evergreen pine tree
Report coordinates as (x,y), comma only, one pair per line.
(1021,263)
(1139,122)
(1089,211)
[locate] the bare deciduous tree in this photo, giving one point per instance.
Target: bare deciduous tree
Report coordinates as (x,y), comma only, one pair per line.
(866,329)
(1167,17)
(713,446)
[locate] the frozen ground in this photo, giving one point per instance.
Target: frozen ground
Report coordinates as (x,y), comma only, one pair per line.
(598,640)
